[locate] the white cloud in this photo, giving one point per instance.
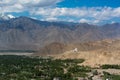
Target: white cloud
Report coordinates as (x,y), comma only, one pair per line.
(39,3)
(84,21)
(116,12)
(51,19)
(96,21)
(77,12)
(24,5)
(47,10)
(91,15)
(103,13)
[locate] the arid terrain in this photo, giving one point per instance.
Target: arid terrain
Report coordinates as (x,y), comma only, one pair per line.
(94,53)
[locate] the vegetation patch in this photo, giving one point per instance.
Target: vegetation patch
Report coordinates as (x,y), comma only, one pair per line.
(111,76)
(14,67)
(107,66)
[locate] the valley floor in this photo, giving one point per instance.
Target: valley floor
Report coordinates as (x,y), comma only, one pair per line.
(16,53)
(14,67)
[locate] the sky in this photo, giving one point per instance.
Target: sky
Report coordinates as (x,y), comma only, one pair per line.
(81,11)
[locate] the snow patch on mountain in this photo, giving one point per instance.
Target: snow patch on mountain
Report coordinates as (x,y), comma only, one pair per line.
(6,17)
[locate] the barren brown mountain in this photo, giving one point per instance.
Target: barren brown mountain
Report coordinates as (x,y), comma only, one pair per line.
(24,33)
(95,53)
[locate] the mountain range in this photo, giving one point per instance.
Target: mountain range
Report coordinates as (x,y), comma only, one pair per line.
(25,33)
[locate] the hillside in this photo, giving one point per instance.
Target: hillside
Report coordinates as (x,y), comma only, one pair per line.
(24,33)
(95,53)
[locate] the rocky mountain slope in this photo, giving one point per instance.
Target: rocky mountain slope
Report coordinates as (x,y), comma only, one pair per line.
(95,53)
(29,34)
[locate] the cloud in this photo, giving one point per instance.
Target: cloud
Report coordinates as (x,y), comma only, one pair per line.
(94,21)
(25,5)
(116,12)
(91,15)
(98,13)
(39,3)
(51,19)
(47,10)
(84,21)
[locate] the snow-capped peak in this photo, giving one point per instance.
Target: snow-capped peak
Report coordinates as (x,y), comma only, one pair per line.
(10,16)
(6,17)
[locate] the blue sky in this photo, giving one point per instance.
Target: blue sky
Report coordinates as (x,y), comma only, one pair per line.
(82,11)
(89,3)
